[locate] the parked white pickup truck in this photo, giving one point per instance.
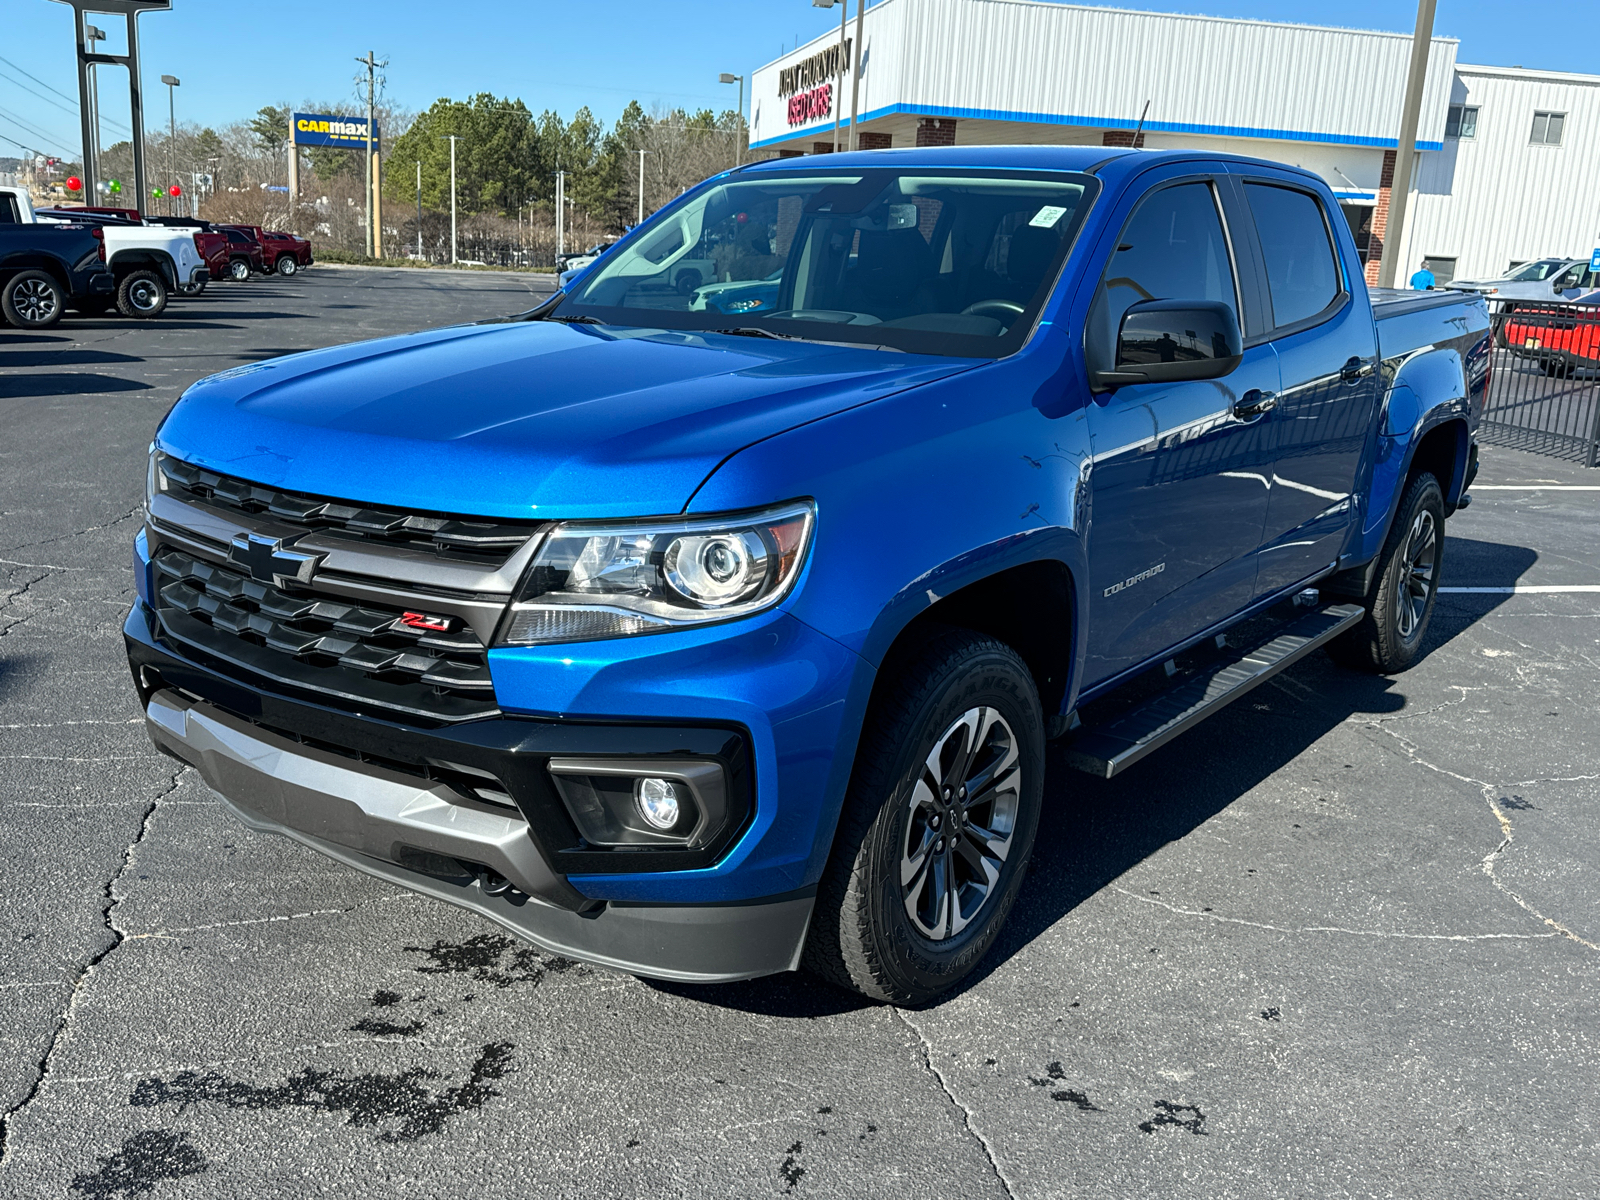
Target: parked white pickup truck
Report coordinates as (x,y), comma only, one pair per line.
(149,261)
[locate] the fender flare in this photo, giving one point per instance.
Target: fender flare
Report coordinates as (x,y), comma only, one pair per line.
(135,257)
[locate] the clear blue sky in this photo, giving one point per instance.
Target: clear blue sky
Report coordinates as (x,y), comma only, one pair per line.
(234,56)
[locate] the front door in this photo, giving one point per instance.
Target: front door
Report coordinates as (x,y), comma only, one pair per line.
(1179,482)
(1327,356)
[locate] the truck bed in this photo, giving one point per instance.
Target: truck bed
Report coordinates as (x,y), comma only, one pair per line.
(1409,320)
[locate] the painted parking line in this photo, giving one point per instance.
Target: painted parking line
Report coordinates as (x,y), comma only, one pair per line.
(1526,589)
(1536,487)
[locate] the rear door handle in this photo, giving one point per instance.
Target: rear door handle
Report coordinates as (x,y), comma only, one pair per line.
(1255,402)
(1356,368)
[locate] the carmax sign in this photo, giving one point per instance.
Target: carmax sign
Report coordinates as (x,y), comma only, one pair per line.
(324,129)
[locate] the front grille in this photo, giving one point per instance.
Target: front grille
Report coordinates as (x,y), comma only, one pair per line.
(489,542)
(358,651)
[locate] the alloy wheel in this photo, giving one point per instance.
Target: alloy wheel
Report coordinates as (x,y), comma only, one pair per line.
(144,296)
(1415,583)
(35,301)
(963,811)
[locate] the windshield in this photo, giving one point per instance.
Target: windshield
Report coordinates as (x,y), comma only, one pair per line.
(937,262)
(1535,271)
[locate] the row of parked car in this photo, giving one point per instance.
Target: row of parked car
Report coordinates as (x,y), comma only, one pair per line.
(90,260)
(1547,312)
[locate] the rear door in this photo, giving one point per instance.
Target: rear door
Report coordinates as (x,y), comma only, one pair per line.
(1179,480)
(1327,355)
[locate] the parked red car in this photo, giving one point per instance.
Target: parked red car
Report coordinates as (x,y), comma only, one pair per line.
(284,253)
(1562,338)
(245,253)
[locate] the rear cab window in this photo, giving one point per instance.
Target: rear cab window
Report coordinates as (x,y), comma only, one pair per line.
(1303,278)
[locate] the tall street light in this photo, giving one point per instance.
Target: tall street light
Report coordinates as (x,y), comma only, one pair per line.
(91,35)
(172,136)
(738,145)
(855,78)
(838,84)
(642,153)
(451,138)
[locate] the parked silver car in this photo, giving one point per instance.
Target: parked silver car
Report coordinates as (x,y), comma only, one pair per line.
(1551,280)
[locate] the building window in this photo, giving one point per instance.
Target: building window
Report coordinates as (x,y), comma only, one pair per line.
(1462,121)
(1444,269)
(1547,128)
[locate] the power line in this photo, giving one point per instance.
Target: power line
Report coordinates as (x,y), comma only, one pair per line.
(74,104)
(48,139)
(36,79)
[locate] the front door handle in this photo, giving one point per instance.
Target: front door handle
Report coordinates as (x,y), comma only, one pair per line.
(1255,402)
(1356,368)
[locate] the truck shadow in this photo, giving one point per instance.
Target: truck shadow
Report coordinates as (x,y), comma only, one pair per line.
(1093,831)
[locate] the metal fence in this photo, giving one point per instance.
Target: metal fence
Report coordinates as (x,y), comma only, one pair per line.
(1544,387)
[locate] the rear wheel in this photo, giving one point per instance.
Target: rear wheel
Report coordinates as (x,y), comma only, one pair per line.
(239,269)
(1401,602)
(194,287)
(142,295)
(1556,368)
(938,823)
(32,300)
(287,264)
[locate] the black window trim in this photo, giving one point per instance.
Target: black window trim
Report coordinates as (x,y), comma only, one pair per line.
(1214,179)
(1341,299)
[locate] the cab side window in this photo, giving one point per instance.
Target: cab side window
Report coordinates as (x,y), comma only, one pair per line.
(1172,248)
(1302,276)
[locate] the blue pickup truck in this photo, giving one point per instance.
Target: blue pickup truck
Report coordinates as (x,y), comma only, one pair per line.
(709,645)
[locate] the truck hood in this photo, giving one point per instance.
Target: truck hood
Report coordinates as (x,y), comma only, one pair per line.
(531,418)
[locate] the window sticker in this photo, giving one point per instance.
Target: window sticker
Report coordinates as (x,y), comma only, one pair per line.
(1047,216)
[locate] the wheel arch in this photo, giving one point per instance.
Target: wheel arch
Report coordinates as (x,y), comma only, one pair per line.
(125,262)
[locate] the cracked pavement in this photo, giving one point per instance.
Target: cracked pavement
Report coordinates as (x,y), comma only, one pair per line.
(1342,941)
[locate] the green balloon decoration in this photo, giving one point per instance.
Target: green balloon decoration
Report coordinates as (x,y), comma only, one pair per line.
(155,193)
(114,186)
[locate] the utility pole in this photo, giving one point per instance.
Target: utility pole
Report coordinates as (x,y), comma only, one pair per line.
(419,208)
(1400,191)
(561,213)
(855,79)
(372,233)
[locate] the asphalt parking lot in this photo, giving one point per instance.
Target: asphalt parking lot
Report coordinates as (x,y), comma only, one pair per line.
(1342,941)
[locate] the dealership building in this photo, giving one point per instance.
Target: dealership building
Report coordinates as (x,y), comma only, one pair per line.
(1508,158)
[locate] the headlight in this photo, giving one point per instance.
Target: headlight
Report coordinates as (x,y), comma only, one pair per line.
(592,581)
(153,479)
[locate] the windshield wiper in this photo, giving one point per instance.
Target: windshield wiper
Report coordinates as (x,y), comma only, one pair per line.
(756,331)
(573,319)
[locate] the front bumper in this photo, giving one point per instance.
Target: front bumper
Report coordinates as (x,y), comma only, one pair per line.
(425,837)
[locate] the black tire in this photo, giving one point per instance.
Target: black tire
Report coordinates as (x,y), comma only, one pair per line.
(239,269)
(1400,605)
(864,936)
(94,306)
(1556,368)
(194,288)
(287,265)
(32,300)
(142,295)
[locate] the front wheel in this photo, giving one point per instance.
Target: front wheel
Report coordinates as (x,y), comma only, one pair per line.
(938,823)
(142,295)
(287,265)
(1401,602)
(32,300)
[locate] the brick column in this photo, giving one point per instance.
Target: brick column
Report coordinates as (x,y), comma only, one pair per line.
(822,147)
(936,131)
(791,153)
(1380,219)
(1122,137)
(874,141)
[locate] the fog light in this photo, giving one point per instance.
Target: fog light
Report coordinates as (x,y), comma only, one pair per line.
(658,801)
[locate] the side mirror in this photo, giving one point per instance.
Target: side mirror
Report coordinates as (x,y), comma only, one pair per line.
(1173,341)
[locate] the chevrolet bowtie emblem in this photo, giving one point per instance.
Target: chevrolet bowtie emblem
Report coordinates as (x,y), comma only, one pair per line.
(268,561)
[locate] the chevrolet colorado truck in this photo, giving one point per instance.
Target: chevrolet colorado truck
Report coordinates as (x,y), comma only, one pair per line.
(706,646)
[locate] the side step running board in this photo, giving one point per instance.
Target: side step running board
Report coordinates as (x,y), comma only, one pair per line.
(1108,749)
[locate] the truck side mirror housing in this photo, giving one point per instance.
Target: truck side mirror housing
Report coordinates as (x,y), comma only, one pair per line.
(1173,341)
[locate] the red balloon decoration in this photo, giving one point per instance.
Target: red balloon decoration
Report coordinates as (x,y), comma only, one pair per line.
(74,184)
(175,190)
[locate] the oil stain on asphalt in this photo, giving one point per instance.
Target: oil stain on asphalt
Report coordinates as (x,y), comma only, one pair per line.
(493,958)
(1168,1113)
(401,1103)
(147,1158)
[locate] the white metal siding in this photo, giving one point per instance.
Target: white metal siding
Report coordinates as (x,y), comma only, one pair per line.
(1491,199)
(1097,67)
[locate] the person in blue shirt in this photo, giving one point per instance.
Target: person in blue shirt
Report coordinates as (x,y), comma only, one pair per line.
(1423,280)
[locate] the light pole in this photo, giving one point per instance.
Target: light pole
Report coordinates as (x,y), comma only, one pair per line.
(372,234)
(838,76)
(172,137)
(419,209)
(738,134)
(91,35)
(451,138)
(642,153)
(855,77)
